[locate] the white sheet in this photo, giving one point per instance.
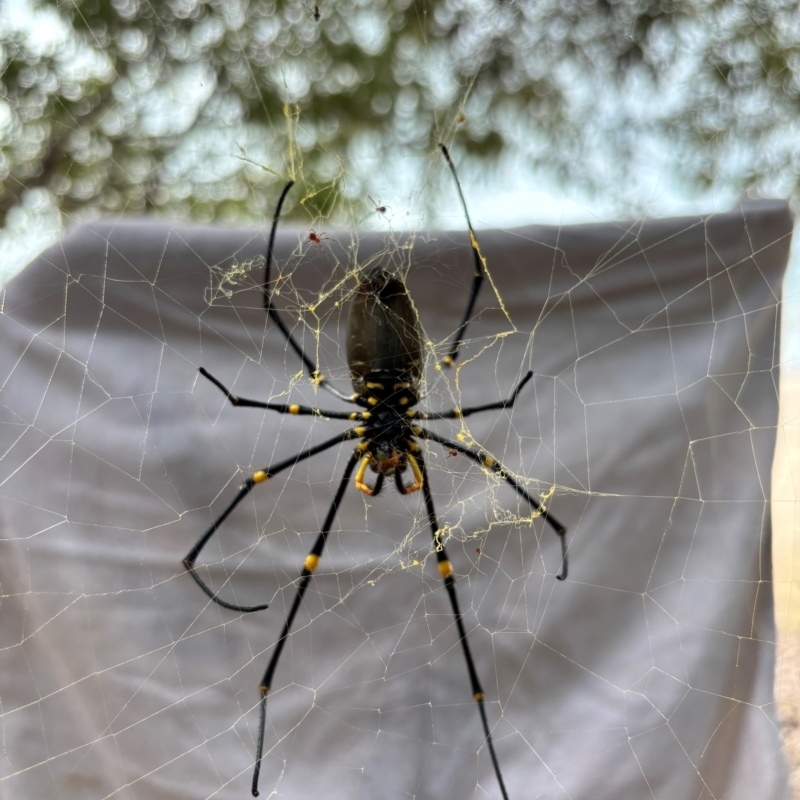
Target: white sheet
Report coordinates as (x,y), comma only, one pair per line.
(648,673)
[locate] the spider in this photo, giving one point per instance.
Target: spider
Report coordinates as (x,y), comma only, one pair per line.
(315,12)
(384,354)
(379,209)
(318,238)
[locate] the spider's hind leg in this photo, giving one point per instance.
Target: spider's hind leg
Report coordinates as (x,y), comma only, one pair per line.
(309,364)
(282,408)
(477,279)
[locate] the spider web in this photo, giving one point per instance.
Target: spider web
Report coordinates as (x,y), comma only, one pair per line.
(651,414)
(649,427)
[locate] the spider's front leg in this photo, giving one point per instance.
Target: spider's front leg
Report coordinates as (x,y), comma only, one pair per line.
(257,477)
(311,563)
(446,571)
(489,462)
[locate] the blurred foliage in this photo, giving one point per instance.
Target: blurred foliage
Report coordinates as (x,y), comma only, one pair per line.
(179,106)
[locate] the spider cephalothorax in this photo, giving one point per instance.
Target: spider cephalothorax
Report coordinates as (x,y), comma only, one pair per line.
(384,356)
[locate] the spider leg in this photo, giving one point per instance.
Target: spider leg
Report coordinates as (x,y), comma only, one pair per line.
(416,472)
(257,477)
(311,563)
(310,366)
(480,270)
(487,461)
(283,408)
(458,413)
(446,571)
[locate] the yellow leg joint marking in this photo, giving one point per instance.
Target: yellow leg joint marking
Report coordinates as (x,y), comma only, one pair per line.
(418,479)
(412,445)
(355,415)
(362,469)
(445,569)
(457,413)
(416,430)
(264,689)
(373,401)
(479,696)
(312,562)
(360,430)
(488,461)
(447,361)
(362,447)
(260,476)
(294,409)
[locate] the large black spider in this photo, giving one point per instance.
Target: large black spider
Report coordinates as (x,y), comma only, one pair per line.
(384,355)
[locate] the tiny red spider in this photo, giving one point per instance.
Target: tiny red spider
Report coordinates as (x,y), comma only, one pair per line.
(318,237)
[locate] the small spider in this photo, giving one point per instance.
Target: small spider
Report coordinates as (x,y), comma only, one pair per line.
(314,11)
(379,209)
(317,238)
(450,452)
(478,550)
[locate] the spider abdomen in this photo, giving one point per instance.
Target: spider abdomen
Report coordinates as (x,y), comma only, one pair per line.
(384,339)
